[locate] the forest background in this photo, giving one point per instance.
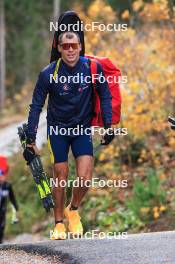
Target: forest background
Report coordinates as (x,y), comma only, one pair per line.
(146,156)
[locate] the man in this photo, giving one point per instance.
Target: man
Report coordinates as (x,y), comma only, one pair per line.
(6,192)
(70,104)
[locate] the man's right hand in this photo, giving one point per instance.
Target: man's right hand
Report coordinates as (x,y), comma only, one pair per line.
(34,148)
(30,152)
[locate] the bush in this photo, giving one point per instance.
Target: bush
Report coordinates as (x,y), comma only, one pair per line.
(148,197)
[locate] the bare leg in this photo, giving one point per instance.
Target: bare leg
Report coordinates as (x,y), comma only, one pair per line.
(60,173)
(84,167)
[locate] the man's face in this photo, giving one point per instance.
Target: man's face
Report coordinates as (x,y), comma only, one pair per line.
(70,54)
(2,178)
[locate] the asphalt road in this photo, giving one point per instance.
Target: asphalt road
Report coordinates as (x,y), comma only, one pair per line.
(151,248)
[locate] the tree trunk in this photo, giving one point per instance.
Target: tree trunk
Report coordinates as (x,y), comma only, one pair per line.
(56,9)
(2,55)
(171,8)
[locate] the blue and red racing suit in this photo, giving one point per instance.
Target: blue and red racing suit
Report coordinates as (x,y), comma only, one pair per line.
(69,103)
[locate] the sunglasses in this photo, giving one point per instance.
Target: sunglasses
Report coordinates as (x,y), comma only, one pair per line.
(66,46)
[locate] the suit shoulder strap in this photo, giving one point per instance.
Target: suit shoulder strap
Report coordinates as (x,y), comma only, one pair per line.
(56,69)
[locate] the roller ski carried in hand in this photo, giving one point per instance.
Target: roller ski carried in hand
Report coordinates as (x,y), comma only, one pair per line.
(171,121)
(36,167)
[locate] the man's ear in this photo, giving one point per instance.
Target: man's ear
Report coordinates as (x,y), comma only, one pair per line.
(59,48)
(80,47)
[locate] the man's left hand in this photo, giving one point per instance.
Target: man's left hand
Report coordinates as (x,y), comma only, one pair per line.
(108,137)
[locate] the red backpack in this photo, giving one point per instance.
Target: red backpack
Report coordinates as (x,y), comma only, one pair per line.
(4,164)
(109,70)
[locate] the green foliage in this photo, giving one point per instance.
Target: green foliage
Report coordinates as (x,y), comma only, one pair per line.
(106,214)
(147,194)
(96,214)
(30,208)
(27,34)
(131,154)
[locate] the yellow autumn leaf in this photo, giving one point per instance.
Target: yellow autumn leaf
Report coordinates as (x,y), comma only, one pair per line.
(155,209)
(125,14)
(156,215)
(145,210)
(162,208)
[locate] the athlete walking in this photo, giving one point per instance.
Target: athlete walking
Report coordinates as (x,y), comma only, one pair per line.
(69,104)
(6,192)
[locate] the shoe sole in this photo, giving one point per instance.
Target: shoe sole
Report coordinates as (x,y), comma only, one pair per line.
(58,239)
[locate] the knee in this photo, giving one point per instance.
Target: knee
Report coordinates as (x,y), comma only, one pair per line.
(86,175)
(60,172)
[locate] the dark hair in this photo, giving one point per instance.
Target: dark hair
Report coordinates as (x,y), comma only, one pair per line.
(67,18)
(69,35)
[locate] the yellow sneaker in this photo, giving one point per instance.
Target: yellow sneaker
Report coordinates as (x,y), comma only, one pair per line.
(59,232)
(75,225)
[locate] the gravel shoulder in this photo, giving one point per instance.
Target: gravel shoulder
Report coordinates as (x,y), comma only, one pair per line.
(21,257)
